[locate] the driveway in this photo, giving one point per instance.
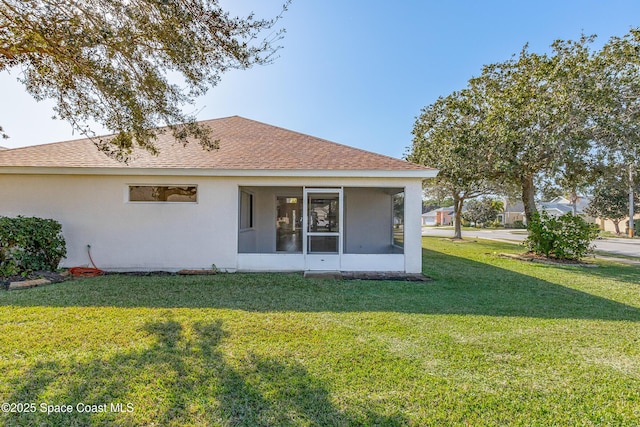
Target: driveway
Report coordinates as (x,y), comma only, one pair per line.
(626,247)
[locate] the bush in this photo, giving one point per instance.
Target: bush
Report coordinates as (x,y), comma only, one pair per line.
(518,224)
(564,237)
(28,244)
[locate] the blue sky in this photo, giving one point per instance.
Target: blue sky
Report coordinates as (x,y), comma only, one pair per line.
(358,72)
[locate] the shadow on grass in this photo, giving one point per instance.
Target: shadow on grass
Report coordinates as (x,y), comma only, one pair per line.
(181,379)
(461,286)
(617,271)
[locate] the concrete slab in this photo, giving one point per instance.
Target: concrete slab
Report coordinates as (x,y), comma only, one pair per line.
(327,275)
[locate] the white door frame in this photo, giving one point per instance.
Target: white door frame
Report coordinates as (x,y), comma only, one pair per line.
(322,261)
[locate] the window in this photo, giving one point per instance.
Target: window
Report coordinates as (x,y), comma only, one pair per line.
(163,193)
(246,210)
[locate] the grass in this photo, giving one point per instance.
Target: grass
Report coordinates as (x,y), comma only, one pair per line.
(491,341)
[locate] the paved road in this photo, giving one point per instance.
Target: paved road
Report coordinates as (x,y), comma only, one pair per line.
(613,246)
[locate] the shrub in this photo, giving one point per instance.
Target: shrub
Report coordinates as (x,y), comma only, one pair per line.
(564,237)
(28,244)
(518,224)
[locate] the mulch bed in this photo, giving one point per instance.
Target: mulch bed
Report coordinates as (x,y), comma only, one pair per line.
(38,278)
(452,240)
(531,257)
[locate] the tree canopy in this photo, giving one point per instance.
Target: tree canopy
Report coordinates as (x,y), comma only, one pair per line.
(610,199)
(564,117)
(117,62)
(448,135)
(482,211)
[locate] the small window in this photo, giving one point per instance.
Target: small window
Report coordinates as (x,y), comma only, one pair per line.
(163,193)
(246,210)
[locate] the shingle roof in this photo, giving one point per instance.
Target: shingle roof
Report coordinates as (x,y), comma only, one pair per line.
(244,144)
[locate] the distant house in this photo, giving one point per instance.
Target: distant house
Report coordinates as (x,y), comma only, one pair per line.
(513,211)
(440,216)
(608,225)
(561,205)
(269,199)
(429,219)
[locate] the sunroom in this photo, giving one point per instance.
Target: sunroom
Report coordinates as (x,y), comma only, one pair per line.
(321,228)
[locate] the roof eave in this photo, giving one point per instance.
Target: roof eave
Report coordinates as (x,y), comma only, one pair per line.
(307,173)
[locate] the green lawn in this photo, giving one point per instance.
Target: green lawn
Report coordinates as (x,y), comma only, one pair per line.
(490,341)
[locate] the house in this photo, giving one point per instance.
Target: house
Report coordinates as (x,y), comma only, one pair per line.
(429,219)
(269,199)
(512,213)
(623,225)
(440,216)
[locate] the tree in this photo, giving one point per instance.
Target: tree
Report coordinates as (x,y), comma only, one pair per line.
(619,117)
(448,135)
(517,98)
(434,196)
(577,166)
(610,200)
(536,117)
(110,61)
(481,211)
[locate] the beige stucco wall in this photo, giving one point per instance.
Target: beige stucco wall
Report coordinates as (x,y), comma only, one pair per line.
(607,225)
(93,209)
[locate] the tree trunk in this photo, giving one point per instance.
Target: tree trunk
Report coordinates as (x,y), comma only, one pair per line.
(528,197)
(457,213)
(616,224)
(574,202)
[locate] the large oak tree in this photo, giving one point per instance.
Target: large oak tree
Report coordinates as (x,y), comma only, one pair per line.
(129,65)
(618,119)
(449,135)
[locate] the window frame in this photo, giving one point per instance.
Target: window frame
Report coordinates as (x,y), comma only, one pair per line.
(129,186)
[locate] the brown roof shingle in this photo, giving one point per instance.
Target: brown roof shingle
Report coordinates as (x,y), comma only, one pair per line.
(244,144)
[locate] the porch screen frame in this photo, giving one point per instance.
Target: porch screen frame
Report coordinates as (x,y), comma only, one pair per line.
(305,221)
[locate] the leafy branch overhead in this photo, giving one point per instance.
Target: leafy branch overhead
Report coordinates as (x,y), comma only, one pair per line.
(115,62)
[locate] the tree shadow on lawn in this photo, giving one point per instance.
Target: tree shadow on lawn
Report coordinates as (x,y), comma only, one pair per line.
(181,380)
(616,271)
(461,286)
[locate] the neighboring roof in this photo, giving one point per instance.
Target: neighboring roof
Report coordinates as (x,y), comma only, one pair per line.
(564,205)
(511,207)
(560,199)
(244,145)
(559,207)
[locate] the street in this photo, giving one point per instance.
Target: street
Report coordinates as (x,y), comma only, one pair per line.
(628,247)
